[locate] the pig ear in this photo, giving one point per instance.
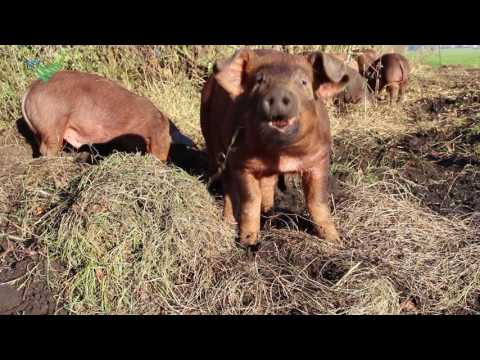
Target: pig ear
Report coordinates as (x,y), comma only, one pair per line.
(330,74)
(231,73)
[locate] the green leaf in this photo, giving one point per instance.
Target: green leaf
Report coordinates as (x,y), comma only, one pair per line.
(41,71)
(55,67)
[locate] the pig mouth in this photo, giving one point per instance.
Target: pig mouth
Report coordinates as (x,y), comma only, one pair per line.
(280,132)
(282,124)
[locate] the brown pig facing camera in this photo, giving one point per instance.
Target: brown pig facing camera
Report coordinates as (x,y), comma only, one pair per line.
(84,109)
(262,115)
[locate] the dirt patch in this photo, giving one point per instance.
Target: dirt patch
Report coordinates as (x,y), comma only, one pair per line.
(438,155)
(446,180)
(465,104)
(23,285)
(25,290)
(444,161)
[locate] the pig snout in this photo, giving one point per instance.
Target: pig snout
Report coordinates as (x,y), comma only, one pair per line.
(279,104)
(180,139)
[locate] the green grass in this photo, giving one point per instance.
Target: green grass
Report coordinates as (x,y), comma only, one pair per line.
(466,57)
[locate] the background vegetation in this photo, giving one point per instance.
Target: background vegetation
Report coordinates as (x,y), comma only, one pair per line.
(130,235)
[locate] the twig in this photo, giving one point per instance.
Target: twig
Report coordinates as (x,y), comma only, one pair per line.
(225,156)
(344,277)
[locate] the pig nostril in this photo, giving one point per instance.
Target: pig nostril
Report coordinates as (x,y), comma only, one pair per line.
(286,101)
(271,101)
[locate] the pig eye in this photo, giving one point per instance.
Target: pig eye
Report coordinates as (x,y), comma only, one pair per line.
(304,82)
(260,78)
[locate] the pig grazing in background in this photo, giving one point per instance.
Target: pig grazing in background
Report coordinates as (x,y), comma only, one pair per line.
(262,115)
(84,109)
(356,90)
(365,58)
(352,63)
(390,71)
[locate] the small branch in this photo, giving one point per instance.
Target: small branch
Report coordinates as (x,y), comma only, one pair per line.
(225,156)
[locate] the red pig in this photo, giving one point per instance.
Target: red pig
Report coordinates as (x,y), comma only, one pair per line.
(262,115)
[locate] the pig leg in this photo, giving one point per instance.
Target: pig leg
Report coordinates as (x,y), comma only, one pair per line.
(393,92)
(315,185)
(228,199)
(159,147)
(401,93)
(50,146)
(267,185)
(250,202)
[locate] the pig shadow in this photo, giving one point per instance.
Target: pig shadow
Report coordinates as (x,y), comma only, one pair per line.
(184,155)
(27,134)
(288,212)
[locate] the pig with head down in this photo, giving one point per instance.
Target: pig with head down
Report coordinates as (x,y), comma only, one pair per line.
(85,109)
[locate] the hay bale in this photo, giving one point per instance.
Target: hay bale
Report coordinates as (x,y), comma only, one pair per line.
(135,236)
(28,190)
(42,184)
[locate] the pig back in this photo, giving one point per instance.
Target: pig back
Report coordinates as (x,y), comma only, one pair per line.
(95,108)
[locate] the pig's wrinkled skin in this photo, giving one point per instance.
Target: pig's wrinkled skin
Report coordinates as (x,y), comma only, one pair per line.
(391,72)
(83,109)
(264,109)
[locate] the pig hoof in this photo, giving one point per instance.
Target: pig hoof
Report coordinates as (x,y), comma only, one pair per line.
(332,236)
(250,249)
(248,240)
(268,213)
(228,217)
(334,239)
(267,210)
(231,222)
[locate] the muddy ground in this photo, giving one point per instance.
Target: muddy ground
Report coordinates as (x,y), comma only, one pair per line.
(438,158)
(439,153)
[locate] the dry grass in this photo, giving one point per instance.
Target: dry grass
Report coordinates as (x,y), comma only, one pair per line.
(170,76)
(429,258)
(135,236)
(131,235)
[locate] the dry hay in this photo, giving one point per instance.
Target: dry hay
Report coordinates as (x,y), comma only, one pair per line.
(431,260)
(135,236)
